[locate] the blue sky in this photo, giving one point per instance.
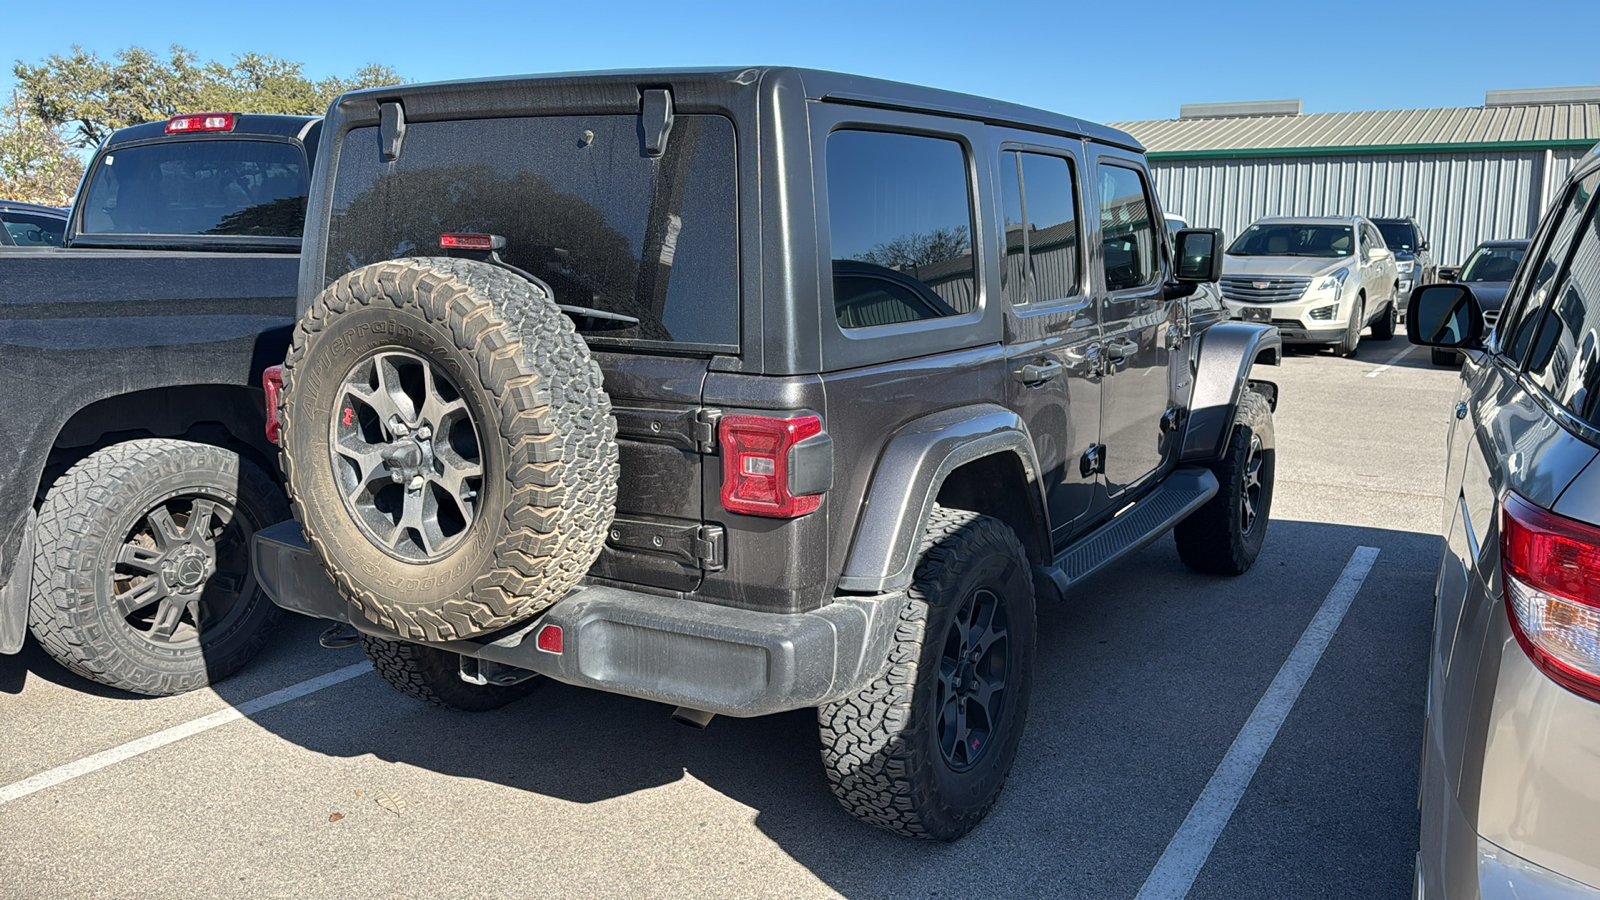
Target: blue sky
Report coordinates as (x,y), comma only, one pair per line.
(1104,61)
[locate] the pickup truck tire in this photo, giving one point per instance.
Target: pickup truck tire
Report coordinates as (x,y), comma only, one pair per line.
(1352,333)
(164,525)
(434,676)
(1383,327)
(1224,536)
(521,462)
(898,753)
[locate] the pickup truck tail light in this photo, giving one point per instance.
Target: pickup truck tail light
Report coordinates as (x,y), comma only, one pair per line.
(272,386)
(774,467)
(201,122)
(1551,566)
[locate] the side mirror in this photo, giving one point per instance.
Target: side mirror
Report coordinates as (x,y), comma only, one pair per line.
(1374,252)
(1422,247)
(1444,315)
(1447,274)
(1199,253)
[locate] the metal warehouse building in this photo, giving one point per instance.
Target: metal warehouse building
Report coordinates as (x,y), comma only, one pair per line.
(1466,175)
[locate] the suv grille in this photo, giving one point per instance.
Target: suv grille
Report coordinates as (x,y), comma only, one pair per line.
(1249,289)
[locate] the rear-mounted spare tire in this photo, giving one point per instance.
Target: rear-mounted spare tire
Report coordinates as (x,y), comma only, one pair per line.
(448,445)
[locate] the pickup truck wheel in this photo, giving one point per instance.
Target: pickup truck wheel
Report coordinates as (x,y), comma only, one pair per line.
(1352,333)
(925,748)
(448,444)
(434,676)
(1224,536)
(141,570)
(1383,328)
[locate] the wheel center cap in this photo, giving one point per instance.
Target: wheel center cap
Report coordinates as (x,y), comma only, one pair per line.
(187,568)
(408,454)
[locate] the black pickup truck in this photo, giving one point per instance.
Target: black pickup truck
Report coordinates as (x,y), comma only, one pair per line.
(133,463)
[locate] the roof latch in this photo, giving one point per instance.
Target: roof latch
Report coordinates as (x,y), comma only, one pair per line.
(656,119)
(391,129)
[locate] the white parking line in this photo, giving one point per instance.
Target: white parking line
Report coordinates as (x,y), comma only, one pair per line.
(1180,863)
(1392,360)
(98,761)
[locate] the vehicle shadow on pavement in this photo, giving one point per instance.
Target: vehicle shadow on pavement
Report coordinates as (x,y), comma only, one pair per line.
(1143,680)
(33,662)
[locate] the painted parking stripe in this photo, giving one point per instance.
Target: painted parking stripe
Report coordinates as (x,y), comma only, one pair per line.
(1181,862)
(98,761)
(1392,360)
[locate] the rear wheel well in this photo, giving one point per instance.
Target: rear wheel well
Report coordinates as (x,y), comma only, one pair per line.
(222,415)
(998,486)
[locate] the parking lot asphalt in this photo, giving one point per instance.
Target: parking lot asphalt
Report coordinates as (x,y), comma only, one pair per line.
(1145,678)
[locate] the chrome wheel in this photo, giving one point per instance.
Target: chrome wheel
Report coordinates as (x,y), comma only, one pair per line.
(972,679)
(406,455)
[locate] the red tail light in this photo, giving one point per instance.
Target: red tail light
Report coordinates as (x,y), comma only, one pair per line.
(471,242)
(201,122)
(757,464)
(1551,566)
(272,386)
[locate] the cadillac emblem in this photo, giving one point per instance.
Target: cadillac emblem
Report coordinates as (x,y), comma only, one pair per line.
(1261,285)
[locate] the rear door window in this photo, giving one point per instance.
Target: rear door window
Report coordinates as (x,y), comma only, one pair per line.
(212,187)
(1125,230)
(900,228)
(1565,359)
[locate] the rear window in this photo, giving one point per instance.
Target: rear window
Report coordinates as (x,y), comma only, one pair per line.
(214,187)
(581,206)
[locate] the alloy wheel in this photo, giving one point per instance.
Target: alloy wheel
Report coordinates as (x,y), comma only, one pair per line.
(972,679)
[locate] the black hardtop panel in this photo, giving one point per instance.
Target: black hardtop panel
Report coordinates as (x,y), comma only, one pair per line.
(245,125)
(703,90)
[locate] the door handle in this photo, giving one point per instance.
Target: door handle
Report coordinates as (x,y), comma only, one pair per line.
(1039,373)
(1120,349)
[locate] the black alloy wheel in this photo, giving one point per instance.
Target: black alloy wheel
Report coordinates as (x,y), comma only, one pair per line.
(183,569)
(406,453)
(973,672)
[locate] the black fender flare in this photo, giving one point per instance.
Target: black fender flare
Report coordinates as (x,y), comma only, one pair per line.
(1227,351)
(914,465)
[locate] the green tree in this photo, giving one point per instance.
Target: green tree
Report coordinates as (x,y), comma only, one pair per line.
(37,165)
(93,96)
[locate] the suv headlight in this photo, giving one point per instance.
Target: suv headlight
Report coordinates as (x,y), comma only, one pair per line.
(1334,282)
(1404,265)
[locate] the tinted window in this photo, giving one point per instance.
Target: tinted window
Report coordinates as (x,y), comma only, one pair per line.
(1566,353)
(1042,245)
(232,187)
(1538,282)
(1398,235)
(33,231)
(1125,231)
(1492,264)
(899,206)
(580,205)
(1294,239)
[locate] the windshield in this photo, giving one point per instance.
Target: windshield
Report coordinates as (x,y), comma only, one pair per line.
(1398,235)
(213,187)
(1293,239)
(1492,264)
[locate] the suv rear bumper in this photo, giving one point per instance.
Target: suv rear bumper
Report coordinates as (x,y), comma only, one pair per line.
(733,662)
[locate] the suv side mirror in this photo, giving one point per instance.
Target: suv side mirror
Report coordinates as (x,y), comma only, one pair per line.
(1445,315)
(1199,253)
(1422,247)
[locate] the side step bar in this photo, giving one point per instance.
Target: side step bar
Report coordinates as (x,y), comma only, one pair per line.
(1184,491)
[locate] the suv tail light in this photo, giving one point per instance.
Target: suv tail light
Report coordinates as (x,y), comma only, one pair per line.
(201,122)
(272,386)
(765,469)
(1552,585)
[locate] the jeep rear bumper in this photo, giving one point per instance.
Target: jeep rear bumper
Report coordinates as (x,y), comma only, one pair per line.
(732,662)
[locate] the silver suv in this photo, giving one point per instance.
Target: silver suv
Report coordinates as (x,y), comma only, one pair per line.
(1511,762)
(1320,280)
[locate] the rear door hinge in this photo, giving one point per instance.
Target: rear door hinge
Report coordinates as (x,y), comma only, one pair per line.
(705,429)
(1093,461)
(710,545)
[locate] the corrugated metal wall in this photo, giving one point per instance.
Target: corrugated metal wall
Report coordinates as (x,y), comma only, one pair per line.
(1458,198)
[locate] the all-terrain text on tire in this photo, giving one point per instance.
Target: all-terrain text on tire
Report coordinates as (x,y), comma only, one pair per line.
(675,414)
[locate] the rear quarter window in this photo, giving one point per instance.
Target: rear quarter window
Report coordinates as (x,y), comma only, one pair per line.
(580,204)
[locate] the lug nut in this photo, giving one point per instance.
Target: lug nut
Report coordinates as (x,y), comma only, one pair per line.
(417,481)
(424,433)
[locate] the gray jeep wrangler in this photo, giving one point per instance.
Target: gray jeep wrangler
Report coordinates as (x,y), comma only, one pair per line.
(749,391)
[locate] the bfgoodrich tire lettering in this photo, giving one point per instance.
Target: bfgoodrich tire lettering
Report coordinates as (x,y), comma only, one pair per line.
(887,748)
(1224,537)
(132,526)
(546,445)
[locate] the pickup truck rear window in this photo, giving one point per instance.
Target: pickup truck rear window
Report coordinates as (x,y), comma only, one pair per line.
(212,187)
(581,206)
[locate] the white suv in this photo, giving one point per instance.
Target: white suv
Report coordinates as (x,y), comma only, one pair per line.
(1320,280)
